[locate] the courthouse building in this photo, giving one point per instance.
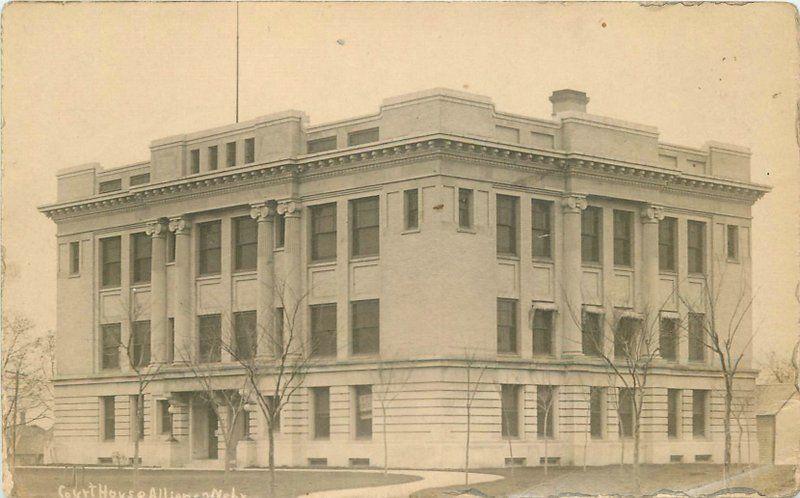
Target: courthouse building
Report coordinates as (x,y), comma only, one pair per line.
(438,236)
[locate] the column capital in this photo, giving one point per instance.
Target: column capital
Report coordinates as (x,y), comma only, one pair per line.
(262,211)
(289,208)
(180,225)
(573,203)
(156,228)
(652,214)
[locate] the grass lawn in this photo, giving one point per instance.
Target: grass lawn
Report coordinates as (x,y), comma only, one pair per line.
(610,479)
(45,482)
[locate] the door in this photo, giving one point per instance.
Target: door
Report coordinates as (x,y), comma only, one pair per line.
(212,434)
(765,428)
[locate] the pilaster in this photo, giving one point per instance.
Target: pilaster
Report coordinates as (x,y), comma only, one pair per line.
(292,287)
(572,206)
(185,347)
(158,293)
(267,343)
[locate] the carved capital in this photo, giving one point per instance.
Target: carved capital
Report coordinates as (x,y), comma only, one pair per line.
(262,211)
(156,228)
(289,208)
(573,203)
(652,214)
(180,225)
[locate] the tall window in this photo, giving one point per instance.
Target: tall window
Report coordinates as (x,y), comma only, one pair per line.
(506,224)
(323,330)
(596,404)
(732,246)
(141,343)
(591,233)
(362,137)
(623,235)
(542,332)
(509,406)
(506,325)
(695,241)
(194,161)
(365,236)
(210,339)
(280,230)
(322,412)
(411,208)
(109,418)
(366,326)
(323,232)
(170,246)
(541,214)
(171,336)
(363,411)
(110,337)
(142,248)
(697,348)
(110,252)
(277,344)
(210,248)
(465,208)
(699,412)
(668,338)
(667,236)
(166,417)
(625,411)
(545,411)
(213,157)
(245,233)
(249,150)
(673,412)
(245,337)
(625,337)
(230,154)
(592,334)
(74,258)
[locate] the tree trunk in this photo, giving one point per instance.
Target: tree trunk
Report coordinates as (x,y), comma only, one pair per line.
(466,450)
(271,435)
(636,441)
(546,457)
(726,468)
(385,441)
(137,437)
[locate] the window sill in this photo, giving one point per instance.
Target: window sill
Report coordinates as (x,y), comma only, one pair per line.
(74,275)
(279,249)
(508,257)
(696,274)
(244,273)
(469,230)
(208,277)
(364,259)
(623,267)
(543,259)
(409,231)
(169,263)
(508,354)
(115,288)
(138,286)
(733,261)
(592,264)
(671,273)
(322,263)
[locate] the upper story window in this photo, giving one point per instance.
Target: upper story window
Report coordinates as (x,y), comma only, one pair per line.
(667,243)
(245,336)
(592,334)
(465,208)
(142,250)
(194,161)
(110,342)
(506,325)
(140,352)
(668,338)
(170,246)
(623,235)
(245,233)
(362,137)
(110,254)
(411,209)
(506,225)
(280,230)
(110,186)
(209,248)
(625,336)
(249,150)
(541,216)
(210,338)
(323,330)
(732,245)
(321,144)
(591,234)
(509,409)
(697,343)
(74,257)
(140,179)
(366,326)
(230,154)
(365,222)
(323,232)
(696,245)
(213,158)
(542,332)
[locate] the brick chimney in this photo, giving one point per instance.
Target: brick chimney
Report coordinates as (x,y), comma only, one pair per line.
(568,100)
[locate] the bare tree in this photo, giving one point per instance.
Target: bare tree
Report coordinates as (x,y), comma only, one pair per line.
(718,326)
(390,383)
(471,390)
(545,402)
(776,368)
(274,375)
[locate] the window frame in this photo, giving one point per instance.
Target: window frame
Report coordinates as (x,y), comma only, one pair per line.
(249,150)
(510,229)
(141,263)
(75,258)
(214,350)
(316,234)
(115,265)
(230,154)
(106,347)
(510,411)
(320,416)
(316,313)
(513,327)
(206,252)
(668,244)
(241,262)
(542,231)
(592,233)
(363,427)
(360,234)
(358,330)
(623,238)
(194,161)
(466,202)
(732,242)
(547,328)
(248,336)
(546,419)
(411,209)
(696,253)
(594,348)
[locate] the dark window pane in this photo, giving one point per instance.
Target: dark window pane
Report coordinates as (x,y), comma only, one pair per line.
(246,341)
(673,412)
(166,417)
(365,223)
(194,161)
(246,243)
(109,418)
(249,150)
(363,412)
(280,230)
(323,232)
(366,327)
(506,224)
(465,208)
(142,247)
(110,250)
(230,154)
(506,326)
(170,247)
(321,144)
(110,186)
(592,334)
(543,332)
(74,258)
(625,412)
(277,340)
(323,330)
(697,348)
(276,421)
(141,344)
(362,137)
(322,413)
(140,179)
(623,234)
(591,233)
(509,404)
(732,242)
(541,214)
(696,246)
(110,347)
(625,338)
(667,233)
(545,411)
(699,413)
(210,248)
(411,199)
(213,158)
(210,336)
(596,404)
(668,339)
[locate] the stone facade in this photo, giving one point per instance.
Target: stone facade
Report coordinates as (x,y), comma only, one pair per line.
(440,271)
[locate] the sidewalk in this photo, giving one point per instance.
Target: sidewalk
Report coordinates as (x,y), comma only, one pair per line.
(733,481)
(430,479)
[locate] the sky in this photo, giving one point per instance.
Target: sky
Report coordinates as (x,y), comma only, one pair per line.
(89,82)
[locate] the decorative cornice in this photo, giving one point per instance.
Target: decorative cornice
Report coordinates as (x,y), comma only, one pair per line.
(332,162)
